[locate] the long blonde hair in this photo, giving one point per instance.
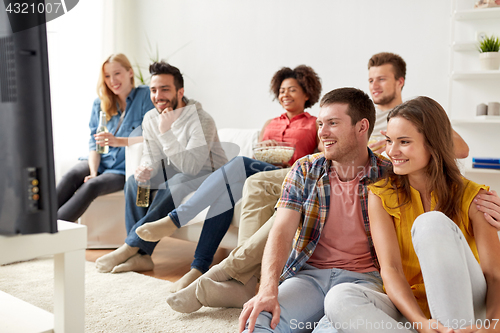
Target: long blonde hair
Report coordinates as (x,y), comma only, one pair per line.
(445,179)
(107,97)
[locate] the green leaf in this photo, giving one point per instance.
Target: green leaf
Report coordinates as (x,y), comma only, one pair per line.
(489,44)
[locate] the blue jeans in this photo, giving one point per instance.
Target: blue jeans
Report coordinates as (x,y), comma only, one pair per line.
(168,193)
(301,298)
(221,190)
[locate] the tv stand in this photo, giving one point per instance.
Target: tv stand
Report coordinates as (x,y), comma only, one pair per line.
(68,248)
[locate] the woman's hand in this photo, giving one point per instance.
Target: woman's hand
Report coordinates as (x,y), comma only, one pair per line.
(268,143)
(108,139)
(94,160)
(89,177)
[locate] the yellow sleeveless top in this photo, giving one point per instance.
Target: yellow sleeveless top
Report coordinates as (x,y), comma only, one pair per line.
(403,221)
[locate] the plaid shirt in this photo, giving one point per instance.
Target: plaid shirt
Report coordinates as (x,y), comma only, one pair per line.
(306,189)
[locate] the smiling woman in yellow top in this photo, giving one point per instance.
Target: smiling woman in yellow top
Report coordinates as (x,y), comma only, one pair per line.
(403,221)
(428,237)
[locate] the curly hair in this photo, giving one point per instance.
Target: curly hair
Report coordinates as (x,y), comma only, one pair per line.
(307,78)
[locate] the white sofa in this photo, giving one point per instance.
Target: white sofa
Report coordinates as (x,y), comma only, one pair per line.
(105,218)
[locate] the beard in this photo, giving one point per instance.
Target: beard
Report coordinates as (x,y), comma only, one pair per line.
(174,103)
(346,150)
(386,99)
(343,154)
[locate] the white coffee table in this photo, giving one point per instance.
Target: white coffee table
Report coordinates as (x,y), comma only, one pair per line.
(68,247)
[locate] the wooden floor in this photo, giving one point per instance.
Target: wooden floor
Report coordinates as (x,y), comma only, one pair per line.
(172,258)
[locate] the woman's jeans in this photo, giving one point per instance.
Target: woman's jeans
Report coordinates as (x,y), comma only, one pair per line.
(74,196)
(221,190)
(454,282)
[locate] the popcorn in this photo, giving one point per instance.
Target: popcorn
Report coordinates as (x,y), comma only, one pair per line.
(274,154)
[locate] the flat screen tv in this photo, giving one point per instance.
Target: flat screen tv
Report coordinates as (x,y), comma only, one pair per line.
(27,180)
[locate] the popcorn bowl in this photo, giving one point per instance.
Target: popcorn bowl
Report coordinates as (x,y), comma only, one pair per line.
(278,154)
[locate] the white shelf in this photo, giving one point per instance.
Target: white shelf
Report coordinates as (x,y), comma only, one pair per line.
(482,171)
(466,87)
(14,312)
(477,120)
(475,75)
(464,46)
(477,14)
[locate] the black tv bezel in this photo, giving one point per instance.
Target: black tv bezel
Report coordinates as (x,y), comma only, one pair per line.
(26,125)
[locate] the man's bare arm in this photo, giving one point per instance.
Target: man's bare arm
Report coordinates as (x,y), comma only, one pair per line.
(274,258)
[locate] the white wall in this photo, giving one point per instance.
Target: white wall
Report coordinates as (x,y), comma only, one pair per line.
(228,51)
(234,47)
(75,55)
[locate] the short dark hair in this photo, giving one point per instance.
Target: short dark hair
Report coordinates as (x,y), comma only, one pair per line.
(161,67)
(395,60)
(307,78)
(360,105)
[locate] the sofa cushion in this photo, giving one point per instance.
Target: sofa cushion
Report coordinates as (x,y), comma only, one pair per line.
(245,139)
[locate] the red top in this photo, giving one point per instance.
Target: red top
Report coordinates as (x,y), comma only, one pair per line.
(300,130)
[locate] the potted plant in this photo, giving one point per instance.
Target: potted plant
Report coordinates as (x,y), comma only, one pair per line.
(489,56)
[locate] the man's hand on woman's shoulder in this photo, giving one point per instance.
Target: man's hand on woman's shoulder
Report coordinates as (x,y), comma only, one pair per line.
(489,204)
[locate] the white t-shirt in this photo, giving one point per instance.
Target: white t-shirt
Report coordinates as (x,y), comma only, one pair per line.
(380,121)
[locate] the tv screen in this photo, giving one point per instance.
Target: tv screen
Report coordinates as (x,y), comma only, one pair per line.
(27,181)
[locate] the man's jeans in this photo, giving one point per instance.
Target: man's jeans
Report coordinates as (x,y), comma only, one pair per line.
(301,297)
